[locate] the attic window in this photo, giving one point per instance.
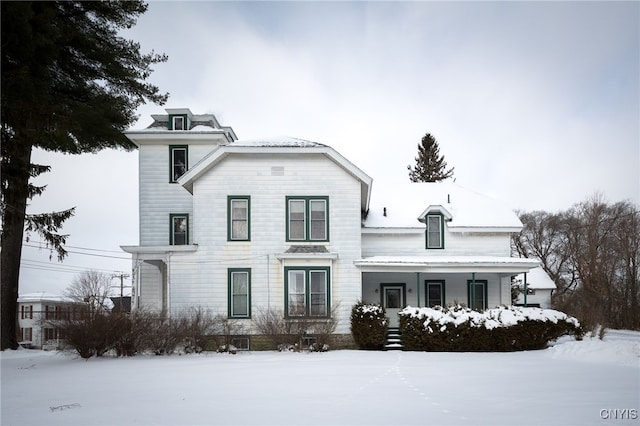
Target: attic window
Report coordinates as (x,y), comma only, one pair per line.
(178,122)
(435,231)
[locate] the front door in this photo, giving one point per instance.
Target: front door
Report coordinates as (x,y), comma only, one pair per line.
(393,302)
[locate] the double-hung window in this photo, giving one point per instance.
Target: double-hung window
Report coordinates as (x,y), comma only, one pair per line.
(26,312)
(435,231)
(307,292)
(179,159)
(307,218)
(238,218)
(179,233)
(239,293)
(434,293)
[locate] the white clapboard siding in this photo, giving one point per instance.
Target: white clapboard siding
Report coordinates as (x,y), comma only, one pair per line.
(158,197)
(201,278)
(455,244)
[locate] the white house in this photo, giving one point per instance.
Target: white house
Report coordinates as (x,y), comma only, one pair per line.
(34,310)
(282,223)
(540,287)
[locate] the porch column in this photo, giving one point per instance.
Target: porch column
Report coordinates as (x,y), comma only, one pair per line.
(418,287)
(525,289)
(472,296)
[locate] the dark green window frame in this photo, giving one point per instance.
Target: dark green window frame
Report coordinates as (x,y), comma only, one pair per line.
(439,244)
(231,220)
(484,291)
(308,228)
(232,311)
(172,230)
(428,301)
(172,121)
(177,168)
(308,294)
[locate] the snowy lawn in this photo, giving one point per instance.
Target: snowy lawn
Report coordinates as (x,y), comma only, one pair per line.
(572,383)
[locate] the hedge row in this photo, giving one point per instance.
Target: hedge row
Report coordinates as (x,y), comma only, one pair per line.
(459,329)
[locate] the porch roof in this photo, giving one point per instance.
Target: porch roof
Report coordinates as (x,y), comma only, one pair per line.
(446,264)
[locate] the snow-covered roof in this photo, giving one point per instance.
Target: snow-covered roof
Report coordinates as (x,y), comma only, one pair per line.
(402,205)
(537,279)
(278,142)
(43,296)
(283,145)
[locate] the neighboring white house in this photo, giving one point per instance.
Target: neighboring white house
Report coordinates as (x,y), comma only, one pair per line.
(34,310)
(239,227)
(540,287)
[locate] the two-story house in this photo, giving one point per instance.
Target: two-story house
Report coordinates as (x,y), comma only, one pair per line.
(37,313)
(240,227)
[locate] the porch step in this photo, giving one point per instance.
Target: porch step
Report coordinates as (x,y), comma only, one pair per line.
(394,340)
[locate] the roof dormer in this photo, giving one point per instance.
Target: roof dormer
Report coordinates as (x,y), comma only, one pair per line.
(179,118)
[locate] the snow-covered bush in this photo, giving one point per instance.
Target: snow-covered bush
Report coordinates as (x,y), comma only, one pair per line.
(501,329)
(369,325)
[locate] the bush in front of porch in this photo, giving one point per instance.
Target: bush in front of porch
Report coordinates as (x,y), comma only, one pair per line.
(504,329)
(369,326)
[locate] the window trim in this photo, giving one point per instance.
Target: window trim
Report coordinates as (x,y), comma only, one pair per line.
(172,121)
(173,148)
(230,273)
(172,234)
(307,288)
(485,292)
(427,283)
(440,216)
(26,313)
(307,218)
(230,200)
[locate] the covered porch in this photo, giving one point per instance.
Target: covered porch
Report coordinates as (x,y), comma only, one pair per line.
(426,281)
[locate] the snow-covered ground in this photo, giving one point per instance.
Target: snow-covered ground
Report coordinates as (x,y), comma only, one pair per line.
(571,383)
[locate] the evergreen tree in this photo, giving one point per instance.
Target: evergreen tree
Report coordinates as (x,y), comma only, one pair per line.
(430,165)
(71,84)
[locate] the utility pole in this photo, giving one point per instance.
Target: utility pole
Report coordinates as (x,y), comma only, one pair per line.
(122,276)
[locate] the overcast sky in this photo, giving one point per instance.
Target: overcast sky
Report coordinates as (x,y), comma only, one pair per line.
(533,103)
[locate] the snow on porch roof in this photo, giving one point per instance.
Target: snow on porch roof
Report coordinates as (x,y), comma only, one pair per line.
(447,264)
(405,202)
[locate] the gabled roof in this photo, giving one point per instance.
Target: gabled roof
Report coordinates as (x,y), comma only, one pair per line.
(43,296)
(537,279)
(406,204)
(277,145)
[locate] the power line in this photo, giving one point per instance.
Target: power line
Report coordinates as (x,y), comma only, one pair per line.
(36,264)
(75,247)
(79,252)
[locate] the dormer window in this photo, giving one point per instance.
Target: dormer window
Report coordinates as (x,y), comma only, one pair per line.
(435,231)
(178,122)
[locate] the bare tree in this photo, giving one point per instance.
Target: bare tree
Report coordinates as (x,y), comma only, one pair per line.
(592,252)
(91,288)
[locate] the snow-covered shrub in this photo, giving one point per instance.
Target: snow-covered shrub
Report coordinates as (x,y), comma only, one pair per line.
(227,349)
(369,325)
(319,347)
(501,329)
